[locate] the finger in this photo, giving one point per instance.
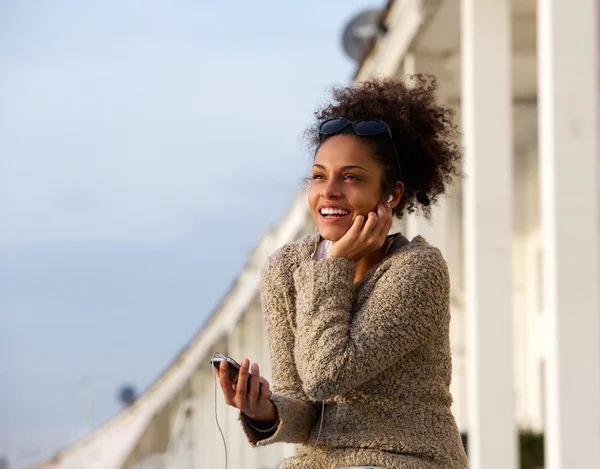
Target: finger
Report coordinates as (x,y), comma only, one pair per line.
(265,390)
(381,211)
(225,382)
(355,229)
(385,220)
(389,220)
(370,224)
(223,372)
(242,383)
(254,384)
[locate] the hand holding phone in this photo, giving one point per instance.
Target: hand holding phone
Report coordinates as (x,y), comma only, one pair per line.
(234,367)
(244,389)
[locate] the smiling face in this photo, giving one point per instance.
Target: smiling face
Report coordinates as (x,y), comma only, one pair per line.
(346,182)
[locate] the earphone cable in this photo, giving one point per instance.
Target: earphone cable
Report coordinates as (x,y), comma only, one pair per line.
(312,256)
(216,414)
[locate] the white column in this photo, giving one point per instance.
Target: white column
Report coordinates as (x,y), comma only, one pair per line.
(568,119)
(487,124)
(454,258)
(434,231)
(444,232)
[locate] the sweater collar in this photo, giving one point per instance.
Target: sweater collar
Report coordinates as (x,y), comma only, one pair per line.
(394,242)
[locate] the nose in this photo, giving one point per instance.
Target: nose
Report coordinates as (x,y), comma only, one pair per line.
(331,190)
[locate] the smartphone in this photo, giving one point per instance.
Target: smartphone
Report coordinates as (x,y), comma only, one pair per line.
(233,367)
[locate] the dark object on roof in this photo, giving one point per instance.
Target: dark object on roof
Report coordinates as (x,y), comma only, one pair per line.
(127,394)
(361,31)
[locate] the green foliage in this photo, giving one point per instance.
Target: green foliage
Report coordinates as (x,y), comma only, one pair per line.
(531,449)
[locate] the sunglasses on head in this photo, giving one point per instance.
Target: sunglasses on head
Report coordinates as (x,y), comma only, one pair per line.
(361,127)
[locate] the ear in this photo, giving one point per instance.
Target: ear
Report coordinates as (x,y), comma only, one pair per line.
(396,194)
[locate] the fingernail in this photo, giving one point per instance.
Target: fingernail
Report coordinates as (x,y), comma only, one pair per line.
(246,363)
(387,204)
(254,368)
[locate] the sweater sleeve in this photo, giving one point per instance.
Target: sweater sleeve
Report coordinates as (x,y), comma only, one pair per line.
(335,351)
(297,414)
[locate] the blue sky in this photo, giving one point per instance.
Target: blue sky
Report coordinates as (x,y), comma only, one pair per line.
(145,146)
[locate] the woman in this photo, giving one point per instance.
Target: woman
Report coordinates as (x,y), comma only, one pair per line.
(358,320)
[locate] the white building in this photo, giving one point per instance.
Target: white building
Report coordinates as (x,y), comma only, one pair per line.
(521,235)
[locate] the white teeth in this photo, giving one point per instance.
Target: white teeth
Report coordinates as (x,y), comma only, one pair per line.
(334,211)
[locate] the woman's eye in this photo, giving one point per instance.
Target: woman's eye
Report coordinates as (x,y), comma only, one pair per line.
(317,176)
(351,177)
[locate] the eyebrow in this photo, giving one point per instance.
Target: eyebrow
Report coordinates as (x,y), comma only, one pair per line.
(344,168)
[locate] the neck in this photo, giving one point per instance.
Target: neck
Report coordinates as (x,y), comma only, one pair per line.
(364,264)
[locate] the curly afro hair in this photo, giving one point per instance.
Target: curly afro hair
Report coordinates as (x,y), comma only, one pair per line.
(423,131)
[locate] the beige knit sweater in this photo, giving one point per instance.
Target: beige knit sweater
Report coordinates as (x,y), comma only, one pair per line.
(376,352)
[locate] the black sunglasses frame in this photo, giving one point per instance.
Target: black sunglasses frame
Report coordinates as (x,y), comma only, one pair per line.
(343,123)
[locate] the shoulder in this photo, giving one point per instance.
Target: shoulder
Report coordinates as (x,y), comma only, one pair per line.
(286,259)
(419,260)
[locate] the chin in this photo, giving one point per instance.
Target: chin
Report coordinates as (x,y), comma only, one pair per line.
(332,233)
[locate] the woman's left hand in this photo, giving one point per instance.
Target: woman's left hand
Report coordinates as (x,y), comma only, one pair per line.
(253,401)
(364,237)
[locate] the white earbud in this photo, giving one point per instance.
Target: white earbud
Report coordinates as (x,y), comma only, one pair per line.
(390,198)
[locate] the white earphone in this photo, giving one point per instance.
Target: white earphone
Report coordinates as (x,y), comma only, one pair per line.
(390,198)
